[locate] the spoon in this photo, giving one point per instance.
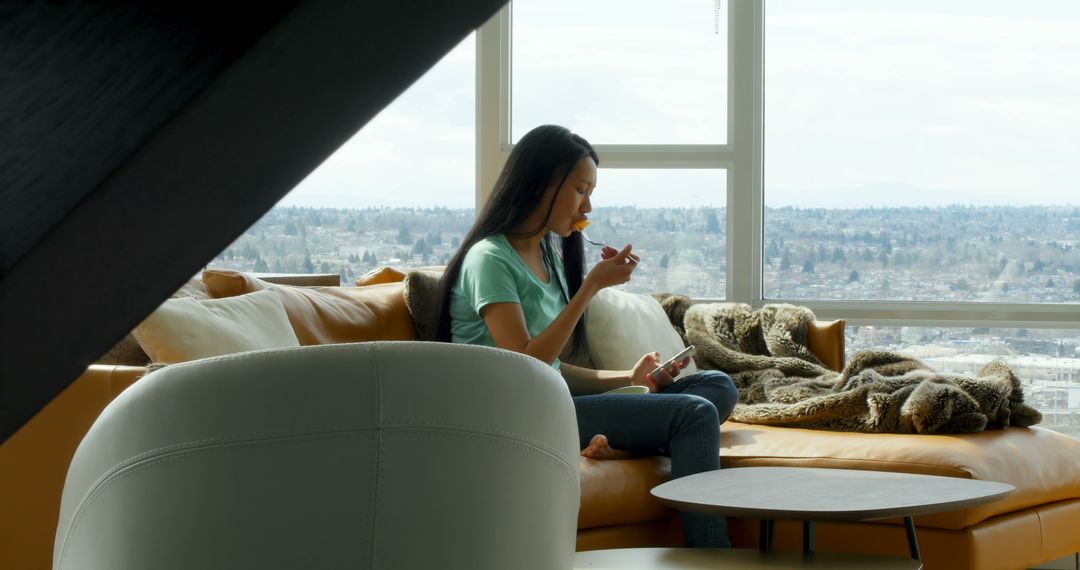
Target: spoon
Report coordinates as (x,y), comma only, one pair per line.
(632,257)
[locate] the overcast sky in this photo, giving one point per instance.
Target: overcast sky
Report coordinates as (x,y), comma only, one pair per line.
(867,103)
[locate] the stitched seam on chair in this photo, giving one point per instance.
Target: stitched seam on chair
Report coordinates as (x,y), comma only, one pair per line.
(345,346)
(104,482)
(312,430)
(532,362)
(472,428)
(571,470)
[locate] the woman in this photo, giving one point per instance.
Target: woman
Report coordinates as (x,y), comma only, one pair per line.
(518,283)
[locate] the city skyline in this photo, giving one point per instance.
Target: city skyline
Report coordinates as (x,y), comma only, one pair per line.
(987,254)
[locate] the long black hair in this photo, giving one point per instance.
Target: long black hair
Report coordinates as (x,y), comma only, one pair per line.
(546,155)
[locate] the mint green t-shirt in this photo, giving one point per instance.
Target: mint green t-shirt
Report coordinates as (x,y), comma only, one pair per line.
(493,272)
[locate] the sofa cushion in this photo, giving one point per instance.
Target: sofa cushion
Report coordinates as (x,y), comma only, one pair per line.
(622,326)
(127,352)
(1040,463)
(324,315)
(185,329)
(421,298)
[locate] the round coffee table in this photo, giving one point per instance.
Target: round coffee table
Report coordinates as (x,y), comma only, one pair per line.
(811,494)
(732,559)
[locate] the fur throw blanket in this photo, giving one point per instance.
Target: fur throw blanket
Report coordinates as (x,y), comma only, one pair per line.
(782,383)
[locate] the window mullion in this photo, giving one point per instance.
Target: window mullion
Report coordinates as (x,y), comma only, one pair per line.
(664,156)
(492,100)
(945,314)
(745,209)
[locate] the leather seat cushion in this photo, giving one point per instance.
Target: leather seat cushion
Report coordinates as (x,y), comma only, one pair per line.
(1040,463)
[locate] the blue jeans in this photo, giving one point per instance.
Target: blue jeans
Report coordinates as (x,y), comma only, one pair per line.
(682,422)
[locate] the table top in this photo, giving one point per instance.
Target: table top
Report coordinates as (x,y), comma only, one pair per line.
(810,493)
(732,559)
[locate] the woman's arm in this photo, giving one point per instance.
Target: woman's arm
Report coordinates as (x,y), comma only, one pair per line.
(506,321)
(588,381)
(584,381)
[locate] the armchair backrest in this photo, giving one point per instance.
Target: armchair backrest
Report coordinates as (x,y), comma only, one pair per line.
(385,455)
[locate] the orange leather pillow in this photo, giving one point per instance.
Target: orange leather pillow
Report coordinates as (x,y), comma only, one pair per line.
(379,275)
(325,315)
(386,274)
(221,283)
(826,340)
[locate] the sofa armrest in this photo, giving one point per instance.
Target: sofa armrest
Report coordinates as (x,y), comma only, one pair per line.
(826,340)
(34,463)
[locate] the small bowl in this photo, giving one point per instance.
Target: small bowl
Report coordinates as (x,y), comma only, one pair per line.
(629,390)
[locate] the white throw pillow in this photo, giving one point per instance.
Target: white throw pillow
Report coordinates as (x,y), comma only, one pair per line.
(622,326)
(186,329)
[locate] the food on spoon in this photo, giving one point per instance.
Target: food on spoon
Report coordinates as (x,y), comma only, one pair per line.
(581,225)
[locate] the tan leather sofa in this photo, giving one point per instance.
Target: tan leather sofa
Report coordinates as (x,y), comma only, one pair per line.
(1035,524)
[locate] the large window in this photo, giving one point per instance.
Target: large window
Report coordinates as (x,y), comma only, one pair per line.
(646,83)
(674,218)
(621,72)
(904,165)
(922,151)
(399,193)
(917,180)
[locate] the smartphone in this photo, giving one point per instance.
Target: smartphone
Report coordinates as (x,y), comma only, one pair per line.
(688,351)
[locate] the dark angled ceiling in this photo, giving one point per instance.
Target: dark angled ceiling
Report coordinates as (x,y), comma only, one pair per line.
(138,139)
(84,85)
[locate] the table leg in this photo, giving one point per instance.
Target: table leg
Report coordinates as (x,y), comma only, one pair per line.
(765,534)
(808,537)
(912,541)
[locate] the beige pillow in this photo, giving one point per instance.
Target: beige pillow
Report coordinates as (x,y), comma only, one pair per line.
(185,329)
(128,352)
(622,326)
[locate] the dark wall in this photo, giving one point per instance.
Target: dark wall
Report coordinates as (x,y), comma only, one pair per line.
(139,131)
(85,84)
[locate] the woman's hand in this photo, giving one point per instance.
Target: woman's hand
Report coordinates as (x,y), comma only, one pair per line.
(615,269)
(641,375)
(608,252)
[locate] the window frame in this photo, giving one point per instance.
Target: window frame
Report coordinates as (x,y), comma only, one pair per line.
(742,158)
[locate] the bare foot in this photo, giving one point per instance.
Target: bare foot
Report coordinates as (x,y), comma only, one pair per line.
(600,449)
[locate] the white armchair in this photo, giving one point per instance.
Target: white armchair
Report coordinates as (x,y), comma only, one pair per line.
(386,455)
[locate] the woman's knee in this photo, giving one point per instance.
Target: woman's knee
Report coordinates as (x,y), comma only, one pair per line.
(731,396)
(698,409)
(718,388)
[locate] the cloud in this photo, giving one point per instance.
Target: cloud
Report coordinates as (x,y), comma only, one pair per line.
(980,108)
